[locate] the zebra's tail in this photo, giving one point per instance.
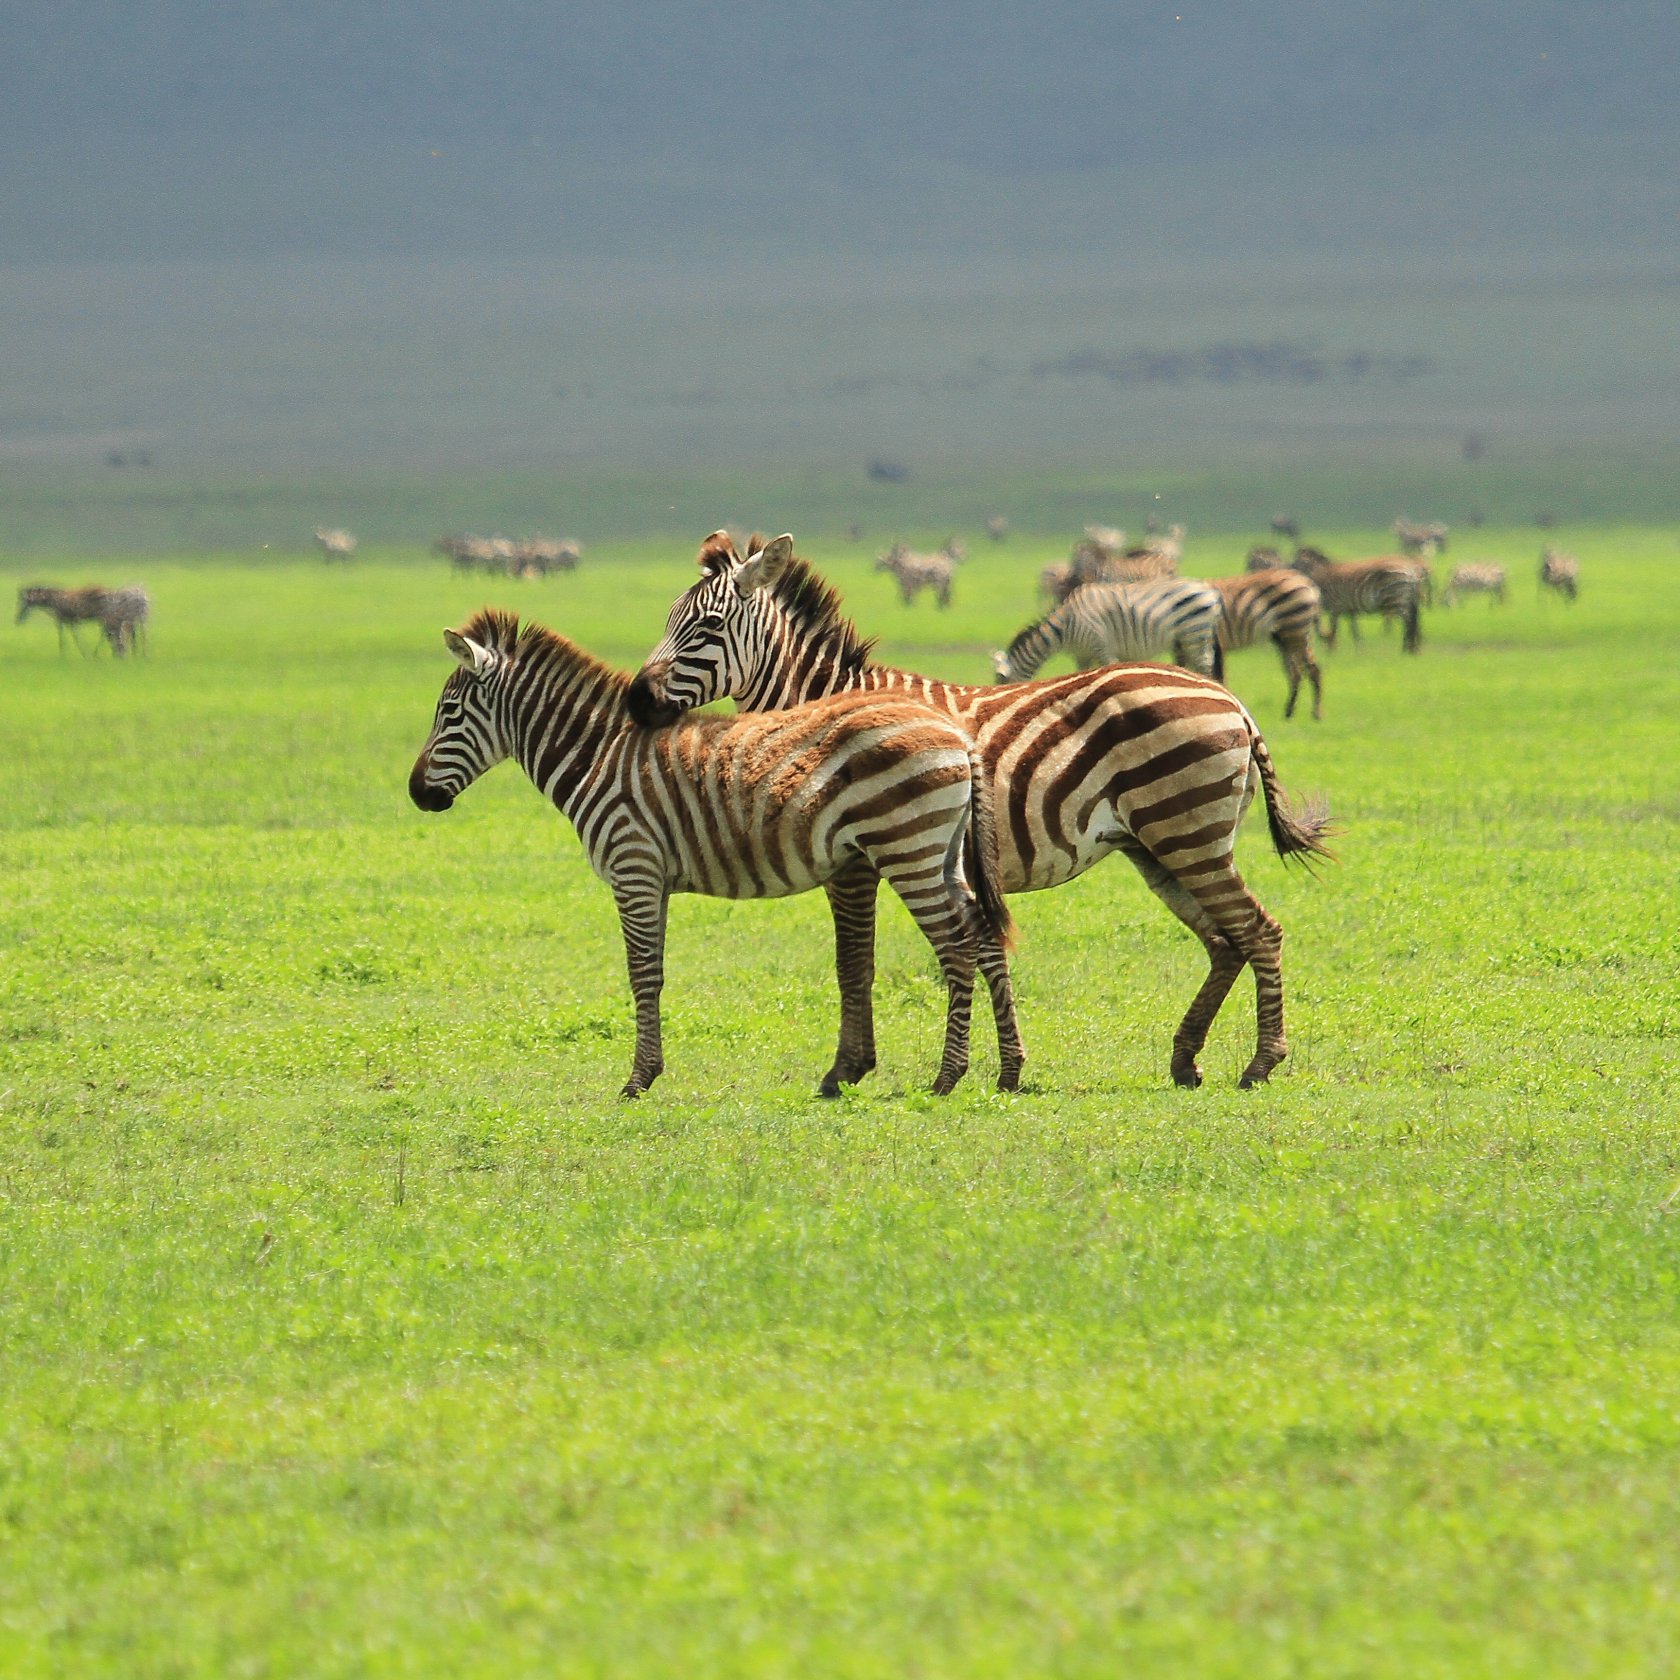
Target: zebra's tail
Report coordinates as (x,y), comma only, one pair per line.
(1298,836)
(981,855)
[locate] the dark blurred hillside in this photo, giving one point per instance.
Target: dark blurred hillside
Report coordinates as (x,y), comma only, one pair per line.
(196,128)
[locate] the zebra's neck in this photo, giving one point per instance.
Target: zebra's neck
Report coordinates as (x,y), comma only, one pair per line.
(1035,644)
(563,709)
(795,665)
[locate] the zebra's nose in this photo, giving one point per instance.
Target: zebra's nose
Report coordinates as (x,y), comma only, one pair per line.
(647,706)
(427,797)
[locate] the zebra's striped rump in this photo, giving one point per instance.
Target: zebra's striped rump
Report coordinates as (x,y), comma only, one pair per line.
(841,794)
(1283,605)
(1156,763)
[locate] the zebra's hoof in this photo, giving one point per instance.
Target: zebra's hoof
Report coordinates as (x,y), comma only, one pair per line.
(1186,1075)
(945,1084)
(1253,1076)
(632,1090)
(829,1088)
(1009,1079)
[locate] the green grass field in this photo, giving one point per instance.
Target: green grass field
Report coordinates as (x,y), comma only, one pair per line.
(349,1325)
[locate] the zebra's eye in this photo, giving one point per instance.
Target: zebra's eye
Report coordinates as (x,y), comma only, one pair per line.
(709,621)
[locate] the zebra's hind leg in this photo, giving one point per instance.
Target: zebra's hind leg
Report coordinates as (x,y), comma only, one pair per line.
(994,965)
(944,918)
(641,914)
(1225,963)
(851,896)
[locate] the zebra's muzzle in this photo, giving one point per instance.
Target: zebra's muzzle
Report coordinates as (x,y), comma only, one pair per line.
(424,794)
(649,709)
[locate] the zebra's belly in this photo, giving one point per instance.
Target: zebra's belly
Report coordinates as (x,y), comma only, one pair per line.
(1060,852)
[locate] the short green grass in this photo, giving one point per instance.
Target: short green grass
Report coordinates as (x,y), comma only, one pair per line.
(349,1325)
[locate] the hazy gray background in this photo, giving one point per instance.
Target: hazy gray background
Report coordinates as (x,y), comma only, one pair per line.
(428,237)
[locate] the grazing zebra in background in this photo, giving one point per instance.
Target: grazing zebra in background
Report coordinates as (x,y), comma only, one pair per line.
(121,614)
(838,794)
(1283,605)
(916,572)
(1154,763)
(1424,541)
(70,608)
(1286,525)
(997,527)
(1479,578)
(125,619)
(335,544)
(1097,559)
(1391,585)
(1560,571)
(1101,623)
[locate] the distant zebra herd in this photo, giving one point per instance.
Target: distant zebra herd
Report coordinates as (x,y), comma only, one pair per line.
(122,615)
(529,557)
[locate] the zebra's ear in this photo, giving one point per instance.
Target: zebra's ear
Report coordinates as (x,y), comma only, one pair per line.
(470,655)
(765,567)
(717,551)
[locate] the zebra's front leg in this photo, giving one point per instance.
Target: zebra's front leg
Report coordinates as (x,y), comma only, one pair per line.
(641,914)
(851,896)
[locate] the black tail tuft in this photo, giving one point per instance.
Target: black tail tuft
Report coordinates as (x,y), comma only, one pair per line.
(1298,836)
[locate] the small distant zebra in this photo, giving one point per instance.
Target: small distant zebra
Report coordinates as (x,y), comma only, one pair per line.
(1265,559)
(1424,540)
(1391,585)
(916,572)
(1104,539)
(1283,605)
(839,794)
(1560,571)
(1102,623)
(1094,561)
(997,527)
(1056,581)
(125,619)
(334,544)
(1286,525)
(1479,578)
(121,614)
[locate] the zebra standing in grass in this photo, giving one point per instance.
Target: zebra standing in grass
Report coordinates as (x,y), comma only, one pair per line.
(851,789)
(1104,622)
(334,544)
(1478,578)
(1283,605)
(125,619)
(1560,571)
(916,572)
(1423,541)
(121,614)
(69,609)
(1390,585)
(1156,764)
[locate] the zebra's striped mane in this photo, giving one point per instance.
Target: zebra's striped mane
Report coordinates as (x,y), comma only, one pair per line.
(536,644)
(812,606)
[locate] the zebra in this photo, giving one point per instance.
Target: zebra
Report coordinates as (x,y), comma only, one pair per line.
(1560,571)
(121,614)
(1480,578)
(69,608)
(997,527)
(1286,525)
(916,572)
(1154,763)
(125,619)
(1283,605)
(1391,584)
(335,544)
(1100,623)
(539,556)
(838,794)
(1424,541)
